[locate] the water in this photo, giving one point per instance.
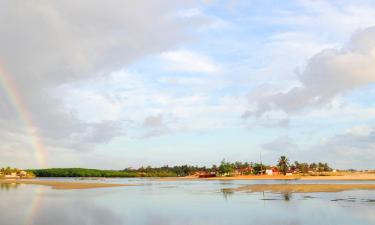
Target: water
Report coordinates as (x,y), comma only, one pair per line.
(156,202)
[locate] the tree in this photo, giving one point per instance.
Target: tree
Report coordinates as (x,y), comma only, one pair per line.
(313,166)
(226,168)
(258,168)
(283,164)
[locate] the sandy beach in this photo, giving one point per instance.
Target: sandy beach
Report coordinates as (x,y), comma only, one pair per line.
(338,177)
(62,185)
(303,188)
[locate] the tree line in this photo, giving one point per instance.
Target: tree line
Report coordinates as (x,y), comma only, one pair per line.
(225,168)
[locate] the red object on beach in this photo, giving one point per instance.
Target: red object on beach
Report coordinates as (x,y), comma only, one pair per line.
(207,175)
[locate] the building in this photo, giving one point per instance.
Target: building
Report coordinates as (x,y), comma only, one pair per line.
(11,175)
(272,171)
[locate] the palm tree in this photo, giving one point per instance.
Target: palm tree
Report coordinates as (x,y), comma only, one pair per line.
(283,164)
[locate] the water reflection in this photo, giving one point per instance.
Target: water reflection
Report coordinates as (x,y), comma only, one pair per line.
(78,212)
(187,203)
(287,196)
(8,186)
(227,192)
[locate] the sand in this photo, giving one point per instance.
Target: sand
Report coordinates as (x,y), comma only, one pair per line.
(62,185)
(339,176)
(303,188)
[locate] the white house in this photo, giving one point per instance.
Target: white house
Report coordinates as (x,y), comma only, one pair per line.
(269,172)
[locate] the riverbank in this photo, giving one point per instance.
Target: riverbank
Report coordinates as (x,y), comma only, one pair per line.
(302,188)
(338,177)
(62,185)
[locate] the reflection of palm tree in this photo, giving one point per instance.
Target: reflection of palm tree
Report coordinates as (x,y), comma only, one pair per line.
(7,186)
(227,192)
(287,196)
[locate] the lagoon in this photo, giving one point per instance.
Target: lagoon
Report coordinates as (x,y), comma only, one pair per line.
(182,202)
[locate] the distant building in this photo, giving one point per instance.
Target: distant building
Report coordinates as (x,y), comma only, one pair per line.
(22,173)
(272,171)
(204,174)
(11,175)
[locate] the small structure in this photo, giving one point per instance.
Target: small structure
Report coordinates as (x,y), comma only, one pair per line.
(22,173)
(11,175)
(272,171)
(204,174)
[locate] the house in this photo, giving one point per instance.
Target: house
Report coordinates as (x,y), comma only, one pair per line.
(22,173)
(11,175)
(272,171)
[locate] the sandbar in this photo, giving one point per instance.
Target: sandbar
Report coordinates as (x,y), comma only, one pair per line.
(62,185)
(333,177)
(303,188)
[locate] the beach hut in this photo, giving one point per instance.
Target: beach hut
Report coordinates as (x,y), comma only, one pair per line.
(272,171)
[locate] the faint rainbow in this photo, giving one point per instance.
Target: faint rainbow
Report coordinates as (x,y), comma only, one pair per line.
(7,83)
(34,206)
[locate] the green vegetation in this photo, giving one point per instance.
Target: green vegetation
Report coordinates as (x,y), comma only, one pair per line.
(165,171)
(259,168)
(314,167)
(224,169)
(8,170)
(283,164)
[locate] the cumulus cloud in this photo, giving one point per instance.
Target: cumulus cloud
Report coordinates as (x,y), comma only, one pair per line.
(153,121)
(156,126)
(352,148)
(45,45)
(328,74)
(282,144)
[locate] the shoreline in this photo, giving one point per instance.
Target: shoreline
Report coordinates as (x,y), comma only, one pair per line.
(62,185)
(302,188)
(342,177)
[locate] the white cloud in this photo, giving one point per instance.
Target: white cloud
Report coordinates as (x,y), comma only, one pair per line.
(328,74)
(153,121)
(189,61)
(48,45)
(353,148)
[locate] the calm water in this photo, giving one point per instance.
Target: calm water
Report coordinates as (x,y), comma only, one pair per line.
(180,202)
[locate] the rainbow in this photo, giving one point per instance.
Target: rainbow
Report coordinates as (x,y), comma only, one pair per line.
(34,206)
(11,90)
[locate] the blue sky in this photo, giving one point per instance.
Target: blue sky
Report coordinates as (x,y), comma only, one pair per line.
(119,84)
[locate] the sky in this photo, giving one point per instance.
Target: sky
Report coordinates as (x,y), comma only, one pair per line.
(125,83)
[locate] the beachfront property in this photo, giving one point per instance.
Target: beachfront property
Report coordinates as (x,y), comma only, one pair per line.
(13,174)
(272,171)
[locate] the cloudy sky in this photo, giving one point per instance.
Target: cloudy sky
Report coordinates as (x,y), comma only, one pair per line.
(119,84)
